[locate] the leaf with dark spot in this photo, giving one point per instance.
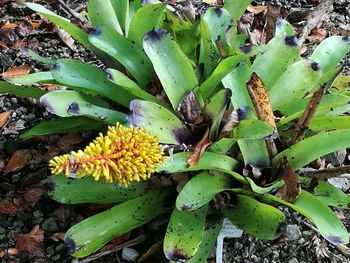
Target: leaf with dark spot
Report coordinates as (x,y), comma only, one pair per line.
(190,109)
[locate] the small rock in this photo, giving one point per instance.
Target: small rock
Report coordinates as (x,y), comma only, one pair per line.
(275,255)
(130,254)
(301,241)
(50,225)
(293,232)
(266,252)
(56,257)
(266,260)
(237,246)
(341,183)
(245,253)
(293,260)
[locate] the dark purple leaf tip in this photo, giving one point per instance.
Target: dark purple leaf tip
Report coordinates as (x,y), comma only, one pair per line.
(145,2)
(56,66)
(279,22)
(155,35)
(50,186)
(96,32)
(346,39)
(47,105)
(186,207)
(108,75)
(218,11)
(73,108)
(315,66)
(242,112)
(291,41)
(70,243)
(182,135)
(176,255)
(246,48)
(335,240)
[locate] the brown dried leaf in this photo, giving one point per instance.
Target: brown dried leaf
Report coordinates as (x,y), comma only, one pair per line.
(291,189)
(8,208)
(256,9)
(317,35)
(16,71)
(66,38)
(8,252)
(190,109)
(31,242)
(4,117)
(57,236)
(273,12)
(9,26)
(199,149)
(33,195)
(67,141)
(18,160)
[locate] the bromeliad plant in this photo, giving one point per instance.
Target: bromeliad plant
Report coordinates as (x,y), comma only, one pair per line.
(209,115)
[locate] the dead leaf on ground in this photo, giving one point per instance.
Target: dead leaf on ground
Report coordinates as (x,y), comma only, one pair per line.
(8,252)
(256,9)
(65,143)
(66,38)
(4,117)
(9,26)
(272,14)
(199,149)
(8,208)
(31,242)
(58,236)
(317,35)
(33,195)
(291,188)
(16,71)
(18,160)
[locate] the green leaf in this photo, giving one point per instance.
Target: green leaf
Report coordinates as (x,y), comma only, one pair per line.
(86,190)
(266,189)
(72,124)
(275,57)
(24,91)
(129,86)
(325,123)
(298,80)
(159,121)
(173,68)
(222,146)
(251,129)
(305,152)
(209,161)
(101,12)
(226,66)
(121,9)
(89,79)
(342,82)
(283,28)
(184,234)
(236,8)
(145,19)
(257,219)
(330,227)
(38,77)
(124,51)
(91,234)
(331,51)
(67,103)
(192,195)
(34,55)
(331,195)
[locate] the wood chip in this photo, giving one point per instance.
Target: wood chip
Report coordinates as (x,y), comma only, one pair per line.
(4,117)
(16,71)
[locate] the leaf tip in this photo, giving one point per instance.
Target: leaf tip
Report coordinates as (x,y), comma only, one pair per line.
(70,243)
(218,11)
(155,35)
(176,255)
(96,32)
(291,41)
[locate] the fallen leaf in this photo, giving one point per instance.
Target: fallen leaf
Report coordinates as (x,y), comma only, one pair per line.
(291,188)
(65,143)
(24,29)
(66,38)
(3,44)
(256,9)
(9,25)
(190,109)
(57,236)
(272,14)
(317,35)
(4,117)
(199,149)
(31,242)
(8,208)
(18,160)
(9,252)
(33,195)
(16,71)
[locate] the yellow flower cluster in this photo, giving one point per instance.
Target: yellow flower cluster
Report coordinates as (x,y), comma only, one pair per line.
(122,156)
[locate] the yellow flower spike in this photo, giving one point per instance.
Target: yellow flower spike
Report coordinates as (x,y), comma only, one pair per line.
(123,155)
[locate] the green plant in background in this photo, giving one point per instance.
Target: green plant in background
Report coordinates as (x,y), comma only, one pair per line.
(211,105)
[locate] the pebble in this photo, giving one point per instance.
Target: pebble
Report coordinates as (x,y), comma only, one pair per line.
(237,246)
(129,254)
(275,255)
(50,225)
(293,260)
(266,252)
(341,183)
(293,232)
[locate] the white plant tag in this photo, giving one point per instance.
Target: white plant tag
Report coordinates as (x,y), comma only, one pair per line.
(227,230)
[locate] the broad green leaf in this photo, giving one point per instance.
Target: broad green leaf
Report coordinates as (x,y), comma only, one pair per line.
(86,190)
(184,234)
(145,19)
(283,28)
(226,66)
(236,8)
(209,161)
(210,234)
(67,103)
(330,227)
(24,91)
(38,77)
(251,129)
(309,149)
(331,51)
(342,82)
(254,151)
(325,123)
(257,219)
(266,189)
(91,234)
(173,68)
(222,146)
(172,19)
(121,9)
(34,55)
(159,121)
(275,57)
(124,51)
(72,124)
(192,195)
(338,110)
(189,40)
(129,86)
(101,12)
(296,81)
(89,79)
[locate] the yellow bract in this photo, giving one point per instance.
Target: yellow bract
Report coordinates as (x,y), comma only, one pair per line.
(122,156)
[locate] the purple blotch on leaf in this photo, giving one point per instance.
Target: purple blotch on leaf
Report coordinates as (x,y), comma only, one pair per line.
(242,112)
(218,11)
(70,243)
(47,105)
(56,66)
(186,207)
(109,75)
(246,48)
(335,240)
(176,255)
(73,108)
(315,66)
(50,186)
(96,32)
(291,41)
(346,39)
(279,22)
(155,35)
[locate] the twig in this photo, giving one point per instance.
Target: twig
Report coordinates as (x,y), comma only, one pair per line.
(129,243)
(69,10)
(329,173)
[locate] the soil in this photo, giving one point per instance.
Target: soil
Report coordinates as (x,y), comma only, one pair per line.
(24,203)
